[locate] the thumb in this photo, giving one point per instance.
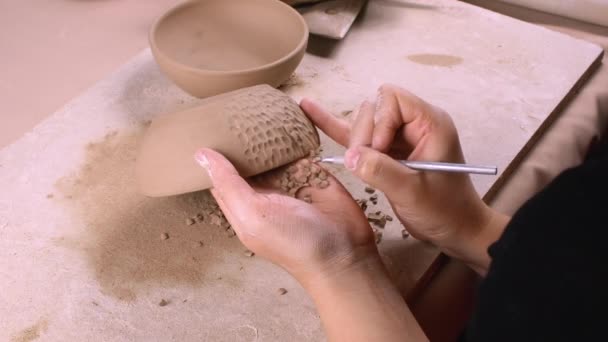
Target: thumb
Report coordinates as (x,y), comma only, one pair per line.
(378,169)
(234,195)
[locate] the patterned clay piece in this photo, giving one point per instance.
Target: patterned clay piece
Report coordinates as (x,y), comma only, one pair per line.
(257,128)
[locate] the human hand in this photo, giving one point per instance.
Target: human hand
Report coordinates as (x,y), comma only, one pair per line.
(442,208)
(310,241)
(327,245)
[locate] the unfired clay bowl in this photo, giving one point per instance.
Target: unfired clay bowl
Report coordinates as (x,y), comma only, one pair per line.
(208,47)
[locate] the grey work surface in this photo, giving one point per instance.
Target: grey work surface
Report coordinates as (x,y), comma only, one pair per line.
(70,279)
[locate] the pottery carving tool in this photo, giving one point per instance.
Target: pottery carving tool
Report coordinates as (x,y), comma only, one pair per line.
(432,166)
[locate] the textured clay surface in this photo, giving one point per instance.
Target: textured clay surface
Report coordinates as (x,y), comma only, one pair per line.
(257,129)
(272,129)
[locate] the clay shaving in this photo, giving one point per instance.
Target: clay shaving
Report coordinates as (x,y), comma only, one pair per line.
(377,235)
(304,173)
(378,219)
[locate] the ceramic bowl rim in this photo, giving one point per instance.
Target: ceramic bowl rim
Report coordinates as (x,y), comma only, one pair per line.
(301,45)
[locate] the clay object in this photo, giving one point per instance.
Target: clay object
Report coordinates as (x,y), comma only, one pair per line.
(257,128)
(214,46)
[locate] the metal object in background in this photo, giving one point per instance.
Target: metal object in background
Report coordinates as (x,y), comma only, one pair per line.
(331,19)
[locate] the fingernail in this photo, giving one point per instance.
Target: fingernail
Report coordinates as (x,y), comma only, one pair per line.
(202,160)
(351,158)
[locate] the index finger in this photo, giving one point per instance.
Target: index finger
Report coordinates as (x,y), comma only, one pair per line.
(363,128)
(233,194)
(396,108)
(335,128)
(388,119)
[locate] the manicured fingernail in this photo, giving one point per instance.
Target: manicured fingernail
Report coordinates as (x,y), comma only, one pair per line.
(351,158)
(202,160)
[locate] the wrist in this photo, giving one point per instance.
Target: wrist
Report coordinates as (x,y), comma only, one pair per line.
(364,262)
(362,298)
(471,242)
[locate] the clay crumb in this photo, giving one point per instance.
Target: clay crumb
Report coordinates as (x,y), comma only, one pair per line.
(190,221)
(281,291)
(388,217)
(323,184)
(346,113)
(164,236)
(225,224)
(377,218)
(378,236)
(404,234)
(369,190)
(163,302)
(374,199)
(50,196)
(362,203)
(215,219)
(249,253)
(201,244)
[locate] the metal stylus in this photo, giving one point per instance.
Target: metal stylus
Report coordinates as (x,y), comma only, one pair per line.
(432,166)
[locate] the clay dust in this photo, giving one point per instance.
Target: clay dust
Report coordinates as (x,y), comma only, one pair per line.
(435,59)
(133,242)
(31,333)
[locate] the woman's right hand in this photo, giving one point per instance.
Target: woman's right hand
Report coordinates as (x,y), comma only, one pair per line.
(441,208)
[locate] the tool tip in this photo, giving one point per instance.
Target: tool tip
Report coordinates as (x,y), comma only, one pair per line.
(332,160)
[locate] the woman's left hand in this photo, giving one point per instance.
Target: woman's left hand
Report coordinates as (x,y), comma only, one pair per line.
(309,240)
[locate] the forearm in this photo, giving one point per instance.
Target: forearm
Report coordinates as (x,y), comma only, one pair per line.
(362,304)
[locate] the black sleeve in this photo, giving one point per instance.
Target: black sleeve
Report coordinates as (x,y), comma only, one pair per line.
(548,280)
